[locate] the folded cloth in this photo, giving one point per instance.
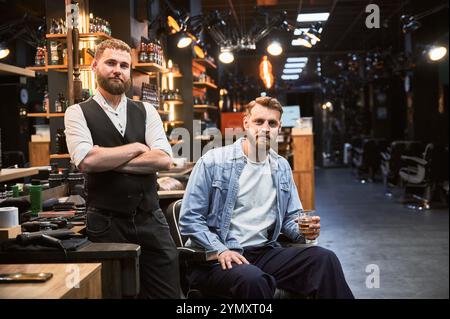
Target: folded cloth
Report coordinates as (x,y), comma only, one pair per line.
(69,244)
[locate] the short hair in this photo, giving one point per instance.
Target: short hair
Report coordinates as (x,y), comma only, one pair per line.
(266,101)
(115,44)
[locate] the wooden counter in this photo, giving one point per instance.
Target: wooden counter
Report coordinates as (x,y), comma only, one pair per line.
(303,171)
(7,174)
(63,285)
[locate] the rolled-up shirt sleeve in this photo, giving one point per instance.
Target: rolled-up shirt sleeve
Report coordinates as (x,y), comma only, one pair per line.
(78,136)
(155,137)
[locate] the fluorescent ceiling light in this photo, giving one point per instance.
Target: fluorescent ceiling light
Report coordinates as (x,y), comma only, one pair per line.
(301,42)
(290,76)
(290,71)
(297,59)
(294,65)
(300,30)
(312,17)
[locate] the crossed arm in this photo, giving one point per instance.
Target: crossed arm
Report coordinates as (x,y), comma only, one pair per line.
(134,158)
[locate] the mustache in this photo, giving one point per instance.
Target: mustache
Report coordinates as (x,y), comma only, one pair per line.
(116,78)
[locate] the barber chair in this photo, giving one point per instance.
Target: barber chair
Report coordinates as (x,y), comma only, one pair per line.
(417,174)
(14,159)
(391,162)
(189,256)
(366,158)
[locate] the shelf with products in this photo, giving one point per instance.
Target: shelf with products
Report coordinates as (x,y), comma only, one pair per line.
(174,102)
(206,62)
(45,115)
(205,84)
(203,107)
(60,156)
(83,36)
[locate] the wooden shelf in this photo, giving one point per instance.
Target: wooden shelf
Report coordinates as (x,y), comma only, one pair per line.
(56,67)
(203,107)
(147,67)
(45,115)
(175,102)
(59,156)
(206,62)
(175,75)
(161,112)
(83,36)
(173,122)
(15,70)
(205,84)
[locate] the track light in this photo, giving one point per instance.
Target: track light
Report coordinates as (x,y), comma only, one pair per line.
(199,52)
(314,33)
(226,55)
(4,51)
(409,23)
(274,48)
(302,40)
(184,41)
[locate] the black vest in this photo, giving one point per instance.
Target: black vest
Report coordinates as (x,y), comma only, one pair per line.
(111,190)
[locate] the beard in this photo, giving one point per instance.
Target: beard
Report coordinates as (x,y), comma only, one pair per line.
(112,86)
(261,142)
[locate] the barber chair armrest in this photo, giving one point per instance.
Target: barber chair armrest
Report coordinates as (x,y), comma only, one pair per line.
(417,160)
(358,150)
(385,156)
(197,255)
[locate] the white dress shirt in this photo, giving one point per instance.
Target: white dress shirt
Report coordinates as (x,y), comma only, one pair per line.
(79,139)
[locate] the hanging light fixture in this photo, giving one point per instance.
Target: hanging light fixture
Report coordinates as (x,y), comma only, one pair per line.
(274,48)
(4,51)
(226,55)
(265,72)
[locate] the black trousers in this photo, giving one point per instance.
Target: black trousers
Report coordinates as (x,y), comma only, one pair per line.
(312,272)
(158,262)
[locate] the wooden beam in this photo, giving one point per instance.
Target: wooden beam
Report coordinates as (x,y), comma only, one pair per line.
(15,70)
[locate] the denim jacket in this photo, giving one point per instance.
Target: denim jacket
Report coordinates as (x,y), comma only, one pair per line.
(212,191)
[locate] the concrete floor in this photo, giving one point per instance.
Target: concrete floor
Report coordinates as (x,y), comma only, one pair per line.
(363,227)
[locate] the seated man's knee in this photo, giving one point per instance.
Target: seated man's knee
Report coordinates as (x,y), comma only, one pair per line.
(322,255)
(253,279)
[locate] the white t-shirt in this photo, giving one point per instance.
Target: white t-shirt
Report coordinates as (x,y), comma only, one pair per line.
(255,209)
(79,139)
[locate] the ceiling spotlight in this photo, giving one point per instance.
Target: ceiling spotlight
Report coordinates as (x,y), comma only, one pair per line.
(302,40)
(184,41)
(199,52)
(274,48)
(313,33)
(177,21)
(410,23)
(226,55)
(435,53)
(4,51)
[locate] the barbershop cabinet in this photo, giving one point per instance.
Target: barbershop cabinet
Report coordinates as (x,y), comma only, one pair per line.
(303,168)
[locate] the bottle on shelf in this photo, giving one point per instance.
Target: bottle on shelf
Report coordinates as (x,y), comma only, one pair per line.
(54,56)
(45,103)
(35,197)
(58,106)
(61,146)
(142,52)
